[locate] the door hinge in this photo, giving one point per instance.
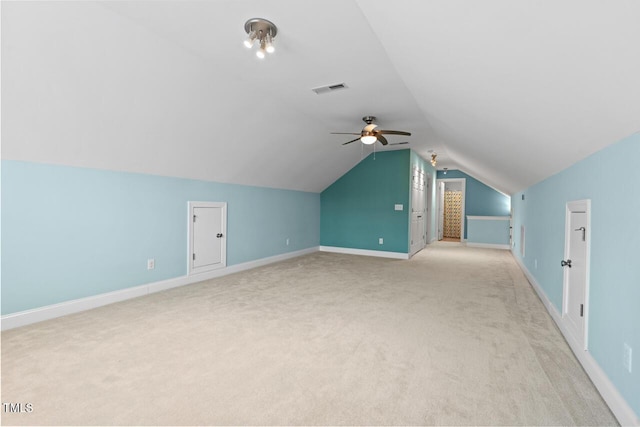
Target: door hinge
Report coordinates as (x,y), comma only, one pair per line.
(581,310)
(194,257)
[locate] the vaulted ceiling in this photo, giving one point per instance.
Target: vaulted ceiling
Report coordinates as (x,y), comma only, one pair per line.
(507,91)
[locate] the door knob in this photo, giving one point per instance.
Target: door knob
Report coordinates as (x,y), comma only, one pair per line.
(566,263)
(219,235)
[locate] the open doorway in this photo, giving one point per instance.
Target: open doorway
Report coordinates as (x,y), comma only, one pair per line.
(451,209)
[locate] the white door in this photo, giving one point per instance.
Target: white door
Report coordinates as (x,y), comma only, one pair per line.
(440,210)
(207,232)
(576,270)
(428,237)
(418,214)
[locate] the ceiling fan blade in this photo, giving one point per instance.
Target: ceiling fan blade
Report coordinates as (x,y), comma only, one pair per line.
(395,132)
(345,133)
(382,140)
(399,143)
(353,140)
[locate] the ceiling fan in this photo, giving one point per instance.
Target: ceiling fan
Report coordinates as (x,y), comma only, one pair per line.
(370,134)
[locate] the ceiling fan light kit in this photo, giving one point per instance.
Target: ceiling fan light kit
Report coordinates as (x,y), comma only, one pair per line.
(368,139)
(263,31)
(370,134)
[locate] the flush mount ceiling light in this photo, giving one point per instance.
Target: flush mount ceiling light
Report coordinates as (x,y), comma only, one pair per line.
(261,31)
(433,159)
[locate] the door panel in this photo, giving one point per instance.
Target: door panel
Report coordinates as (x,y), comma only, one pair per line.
(576,274)
(576,265)
(207,248)
(418,211)
(207,236)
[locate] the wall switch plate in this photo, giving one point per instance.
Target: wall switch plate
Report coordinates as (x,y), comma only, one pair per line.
(628,357)
(151,264)
(399,207)
(287,241)
(381,241)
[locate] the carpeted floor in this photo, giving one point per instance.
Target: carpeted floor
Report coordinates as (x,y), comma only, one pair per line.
(454,336)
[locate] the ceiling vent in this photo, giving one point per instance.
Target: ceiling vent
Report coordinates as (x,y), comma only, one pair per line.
(330,88)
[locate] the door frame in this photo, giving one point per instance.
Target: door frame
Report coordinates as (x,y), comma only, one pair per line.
(439,206)
(223,252)
(418,173)
(463,216)
(429,209)
(577,206)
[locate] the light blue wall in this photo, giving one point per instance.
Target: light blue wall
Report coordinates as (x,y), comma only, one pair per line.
(480,199)
(358,208)
(69,232)
(489,231)
(611,179)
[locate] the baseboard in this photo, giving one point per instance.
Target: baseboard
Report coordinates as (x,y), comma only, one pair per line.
(365,252)
(487,245)
(618,405)
(27,317)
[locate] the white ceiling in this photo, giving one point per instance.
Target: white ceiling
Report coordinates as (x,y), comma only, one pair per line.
(508,91)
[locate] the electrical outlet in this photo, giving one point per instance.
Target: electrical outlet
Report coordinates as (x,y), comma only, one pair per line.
(381,241)
(628,357)
(287,241)
(151,264)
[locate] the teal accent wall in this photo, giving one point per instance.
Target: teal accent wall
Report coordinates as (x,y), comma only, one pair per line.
(358,208)
(610,178)
(480,199)
(69,233)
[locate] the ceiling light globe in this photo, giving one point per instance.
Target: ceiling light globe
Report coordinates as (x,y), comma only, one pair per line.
(368,139)
(248,43)
(260,54)
(269,44)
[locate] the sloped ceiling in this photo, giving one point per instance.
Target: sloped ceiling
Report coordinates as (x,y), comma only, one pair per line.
(509,92)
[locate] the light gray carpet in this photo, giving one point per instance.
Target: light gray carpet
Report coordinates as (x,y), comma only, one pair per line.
(454,336)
